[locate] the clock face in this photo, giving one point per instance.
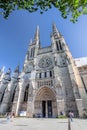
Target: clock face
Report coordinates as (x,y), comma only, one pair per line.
(45,62)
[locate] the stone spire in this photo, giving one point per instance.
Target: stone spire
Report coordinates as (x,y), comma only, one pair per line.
(36,36)
(37,33)
(56,33)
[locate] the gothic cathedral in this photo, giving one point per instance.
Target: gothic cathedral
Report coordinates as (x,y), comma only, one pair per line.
(49,84)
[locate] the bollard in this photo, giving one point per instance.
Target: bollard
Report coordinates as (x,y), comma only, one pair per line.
(69,124)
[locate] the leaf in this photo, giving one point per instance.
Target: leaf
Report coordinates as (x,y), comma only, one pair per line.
(73,8)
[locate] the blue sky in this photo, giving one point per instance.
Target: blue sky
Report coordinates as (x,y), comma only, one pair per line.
(19,28)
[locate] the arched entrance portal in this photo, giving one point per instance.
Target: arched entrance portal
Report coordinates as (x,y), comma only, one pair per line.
(45,103)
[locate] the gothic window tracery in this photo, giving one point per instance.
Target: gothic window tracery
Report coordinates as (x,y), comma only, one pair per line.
(32,52)
(45,62)
(60,45)
(45,74)
(57,45)
(50,73)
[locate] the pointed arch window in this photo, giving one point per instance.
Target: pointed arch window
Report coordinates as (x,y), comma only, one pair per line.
(40,75)
(60,45)
(13,95)
(32,52)
(45,74)
(50,73)
(26,93)
(2,96)
(57,45)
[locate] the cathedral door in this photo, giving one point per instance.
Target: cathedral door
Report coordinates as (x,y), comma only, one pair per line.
(44,108)
(47,108)
(49,104)
(45,103)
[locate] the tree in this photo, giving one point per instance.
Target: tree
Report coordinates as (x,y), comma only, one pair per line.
(71,8)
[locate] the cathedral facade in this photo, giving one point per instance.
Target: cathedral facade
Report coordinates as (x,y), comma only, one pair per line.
(50,83)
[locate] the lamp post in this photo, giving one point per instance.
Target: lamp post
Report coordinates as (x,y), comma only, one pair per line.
(69,124)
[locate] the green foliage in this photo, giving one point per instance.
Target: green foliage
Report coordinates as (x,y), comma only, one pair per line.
(73,8)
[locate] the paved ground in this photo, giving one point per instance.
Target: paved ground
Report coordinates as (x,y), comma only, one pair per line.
(42,124)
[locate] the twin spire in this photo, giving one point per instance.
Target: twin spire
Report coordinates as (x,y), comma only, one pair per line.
(55,30)
(36,39)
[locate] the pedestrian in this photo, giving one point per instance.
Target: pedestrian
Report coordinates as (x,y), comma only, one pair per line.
(71,115)
(8,117)
(12,116)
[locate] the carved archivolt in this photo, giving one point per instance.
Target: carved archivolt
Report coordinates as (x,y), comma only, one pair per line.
(45,93)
